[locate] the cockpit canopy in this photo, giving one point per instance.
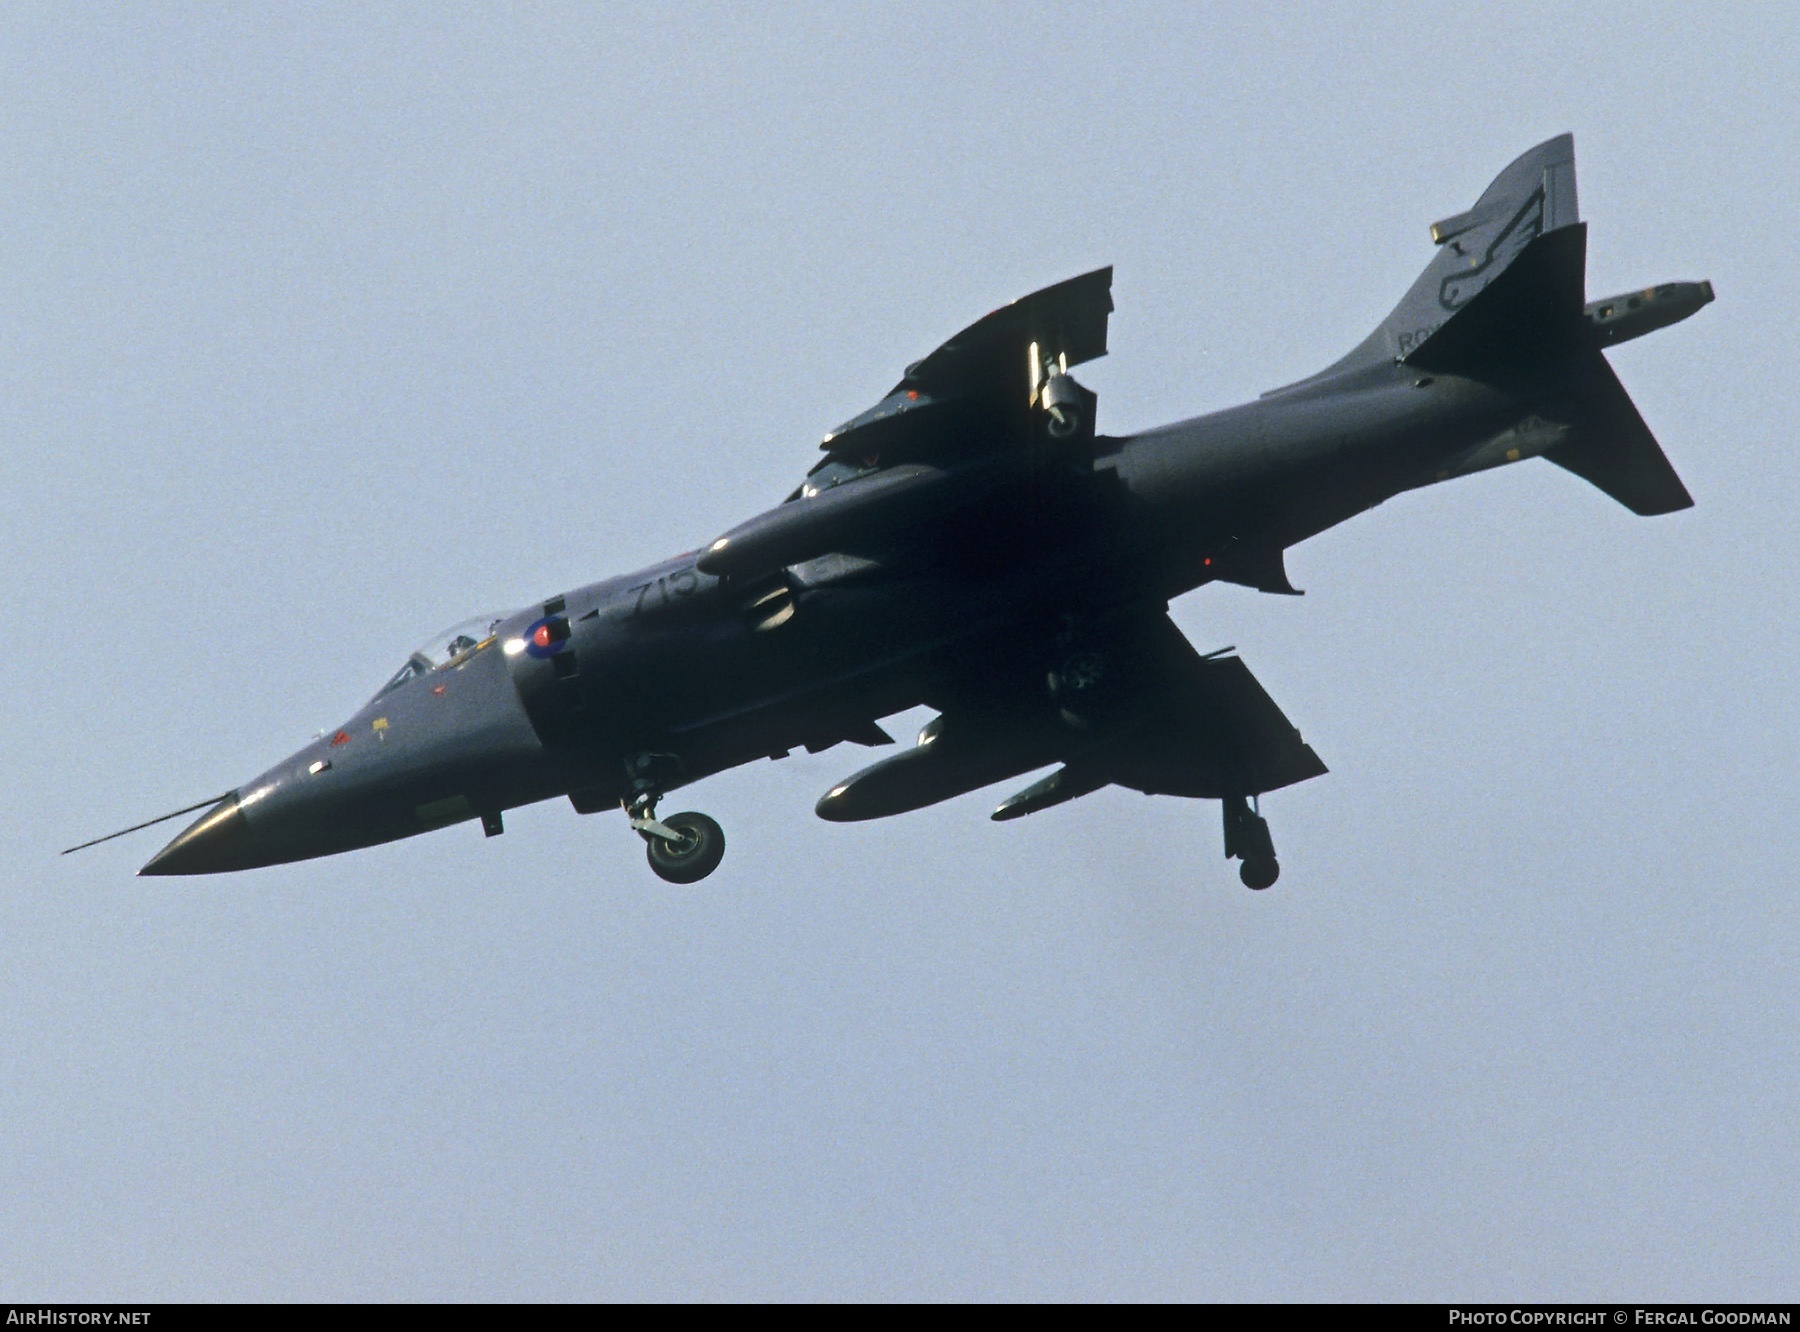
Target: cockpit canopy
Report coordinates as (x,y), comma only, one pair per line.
(447,649)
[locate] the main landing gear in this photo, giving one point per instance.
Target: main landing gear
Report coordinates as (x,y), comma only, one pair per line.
(1247,839)
(683,848)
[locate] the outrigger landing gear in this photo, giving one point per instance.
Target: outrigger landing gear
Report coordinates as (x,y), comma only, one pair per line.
(1247,838)
(683,848)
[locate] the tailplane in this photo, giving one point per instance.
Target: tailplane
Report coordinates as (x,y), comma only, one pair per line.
(1615,451)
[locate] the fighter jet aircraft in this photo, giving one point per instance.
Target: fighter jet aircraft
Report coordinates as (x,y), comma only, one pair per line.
(972,544)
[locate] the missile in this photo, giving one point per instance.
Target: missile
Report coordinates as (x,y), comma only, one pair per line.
(946,762)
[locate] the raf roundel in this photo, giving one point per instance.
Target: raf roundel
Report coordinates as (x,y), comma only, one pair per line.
(547,636)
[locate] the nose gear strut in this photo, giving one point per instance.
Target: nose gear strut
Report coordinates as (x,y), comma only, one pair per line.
(641,813)
(683,848)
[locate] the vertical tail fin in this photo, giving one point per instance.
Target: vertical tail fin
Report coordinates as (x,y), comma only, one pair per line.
(1533,197)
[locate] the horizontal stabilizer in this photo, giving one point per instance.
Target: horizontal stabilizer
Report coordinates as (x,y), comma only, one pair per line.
(1615,451)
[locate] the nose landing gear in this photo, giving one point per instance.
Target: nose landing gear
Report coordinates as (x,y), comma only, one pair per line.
(1247,839)
(683,848)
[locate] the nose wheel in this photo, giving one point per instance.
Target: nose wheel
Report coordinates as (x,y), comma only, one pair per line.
(693,853)
(1247,839)
(683,848)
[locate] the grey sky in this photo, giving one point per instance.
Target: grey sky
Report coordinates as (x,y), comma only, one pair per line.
(323,327)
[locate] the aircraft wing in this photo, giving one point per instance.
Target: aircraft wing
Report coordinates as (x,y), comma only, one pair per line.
(1201,727)
(1154,716)
(981,381)
(1208,729)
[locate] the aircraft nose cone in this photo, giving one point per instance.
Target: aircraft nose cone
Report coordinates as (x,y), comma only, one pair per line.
(213,843)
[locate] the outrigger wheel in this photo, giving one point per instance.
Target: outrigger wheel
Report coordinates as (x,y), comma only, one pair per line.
(1259,874)
(1247,838)
(690,856)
